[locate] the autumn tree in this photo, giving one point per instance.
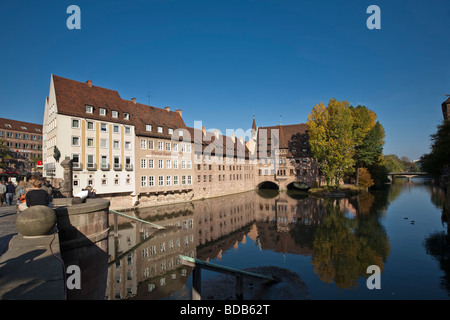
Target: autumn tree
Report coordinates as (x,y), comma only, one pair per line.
(331,139)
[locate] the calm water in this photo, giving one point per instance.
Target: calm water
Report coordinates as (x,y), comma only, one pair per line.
(328,243)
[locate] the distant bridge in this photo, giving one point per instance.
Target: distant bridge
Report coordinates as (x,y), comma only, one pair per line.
(409,175)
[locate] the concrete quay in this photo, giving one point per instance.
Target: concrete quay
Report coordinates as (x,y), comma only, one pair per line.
(30,267)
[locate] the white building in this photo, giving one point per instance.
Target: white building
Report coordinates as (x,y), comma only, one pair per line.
(91,125)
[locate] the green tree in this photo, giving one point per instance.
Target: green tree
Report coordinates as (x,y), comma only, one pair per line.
(369,151)
(438,160)
(393,163)
(331,139)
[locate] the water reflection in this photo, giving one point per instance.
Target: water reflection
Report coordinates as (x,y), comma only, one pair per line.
(342,237)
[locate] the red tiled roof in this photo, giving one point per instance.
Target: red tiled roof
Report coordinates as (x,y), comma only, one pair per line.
(221,145)
(73,96)
(14,125)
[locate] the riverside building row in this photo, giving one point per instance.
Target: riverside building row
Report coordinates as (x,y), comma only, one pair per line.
(139,155)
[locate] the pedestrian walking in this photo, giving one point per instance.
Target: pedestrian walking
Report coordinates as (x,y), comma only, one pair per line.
(10,190)
(2,192)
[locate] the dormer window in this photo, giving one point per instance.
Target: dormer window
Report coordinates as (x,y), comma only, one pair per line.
(24,128)
(7,125)
(115,114)
(126,116)
(89,109)
(148,127)
(160,130)
(102,111)
(170,131)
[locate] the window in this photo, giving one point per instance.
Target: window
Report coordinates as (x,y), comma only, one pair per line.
(116,162)
(89,109)
(18,135)
(175,147)
(143,181)
(189,164)
(90,142)
(160,180)
(160,130)
(104,162)
(116,144)
(151,163)
(104,182)
(76,161)
(148,127)
(160,145)
(143,144)
(170,131)
(103,127)
(151,181)
(115,114)
(189,179)
(180,133)
(183,164)
(126,116)
(127,145)
(150,144)
(75,123)
(128,164)
(175,164)
(115,128)
(102,111)
(90,125)
(168,144)
(175,180)
(168,180)
(103,143)
(143,163)
(127,130)
(90,161)
(160,164)
(75,141)
(183,180)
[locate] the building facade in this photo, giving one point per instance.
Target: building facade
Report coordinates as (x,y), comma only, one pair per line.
(23,143)
(139,155)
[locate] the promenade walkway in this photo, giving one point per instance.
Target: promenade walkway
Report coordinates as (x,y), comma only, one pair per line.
(29,270)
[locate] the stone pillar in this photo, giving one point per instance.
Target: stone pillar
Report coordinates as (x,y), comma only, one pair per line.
(83,239)
(67,183)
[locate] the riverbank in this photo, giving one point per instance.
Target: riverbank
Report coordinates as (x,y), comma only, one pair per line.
(343,191)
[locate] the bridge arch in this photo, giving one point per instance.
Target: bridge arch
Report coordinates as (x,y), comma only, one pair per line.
(298,185)
(268,185)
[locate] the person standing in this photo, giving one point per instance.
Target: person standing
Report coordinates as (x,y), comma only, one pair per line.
(10,190)
(2,192)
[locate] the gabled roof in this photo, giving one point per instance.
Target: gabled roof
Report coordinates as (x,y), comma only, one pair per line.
(72,97)
(218,145)
(285,133)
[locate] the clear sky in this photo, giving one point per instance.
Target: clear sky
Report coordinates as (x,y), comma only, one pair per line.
(223,61)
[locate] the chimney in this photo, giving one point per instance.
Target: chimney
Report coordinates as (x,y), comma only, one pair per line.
(167,109)
(204,131)
(89,83)
(179,112)
(134,100)
(216,133)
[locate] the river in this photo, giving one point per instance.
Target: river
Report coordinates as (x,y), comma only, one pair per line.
(328,243)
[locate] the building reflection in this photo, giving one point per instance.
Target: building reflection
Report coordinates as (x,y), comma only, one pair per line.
(145,263)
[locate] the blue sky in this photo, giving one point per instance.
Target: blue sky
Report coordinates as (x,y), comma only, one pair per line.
(223,61)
